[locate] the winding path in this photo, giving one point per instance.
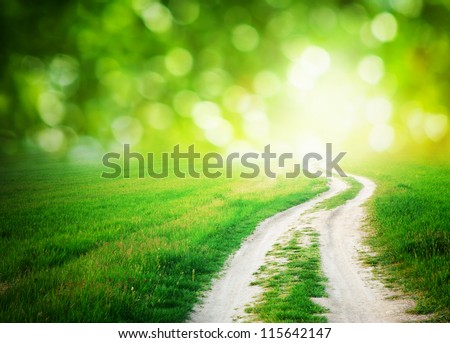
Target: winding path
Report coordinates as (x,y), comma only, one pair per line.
(354,295)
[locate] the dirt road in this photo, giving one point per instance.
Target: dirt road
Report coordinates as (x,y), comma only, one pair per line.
(354,294)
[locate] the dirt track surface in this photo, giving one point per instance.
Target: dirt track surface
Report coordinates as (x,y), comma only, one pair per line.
(354,294)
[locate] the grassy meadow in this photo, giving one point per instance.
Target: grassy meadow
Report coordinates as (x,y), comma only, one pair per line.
(79,78)
(409,216)
(79,248)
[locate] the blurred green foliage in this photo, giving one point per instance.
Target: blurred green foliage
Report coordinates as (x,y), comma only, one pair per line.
(81,77)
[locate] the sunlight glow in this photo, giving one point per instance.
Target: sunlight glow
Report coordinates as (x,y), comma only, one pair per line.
(310,142)
(207,115)
(157,18)
(384,27)
(281,24)
(178,62)
(409,8)
(245,38)
(371,69)
(51,108)
(266,83)
(212,82)
(232,98)
(304,72)
(184,102)
(151,85)
(51,139)
(378,110)
(127,130)
(381,137)
(64,70)
(436,126)
(366,76)
(159,116)
(221,134)
(416,126)
(256,125)
(315,60)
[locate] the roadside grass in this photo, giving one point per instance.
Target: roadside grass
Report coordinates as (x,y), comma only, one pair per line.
(410,217)
(293,274)
(78,248)
(289,281)
(340,199)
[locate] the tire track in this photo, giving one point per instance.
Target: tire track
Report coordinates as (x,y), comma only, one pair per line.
(225,302)
(354,295)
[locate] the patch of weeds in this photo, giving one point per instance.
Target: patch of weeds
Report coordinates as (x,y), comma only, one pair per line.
(289,286)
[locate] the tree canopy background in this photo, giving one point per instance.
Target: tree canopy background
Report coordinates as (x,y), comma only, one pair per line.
(82,77)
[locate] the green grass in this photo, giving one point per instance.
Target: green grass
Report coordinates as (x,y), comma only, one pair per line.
(410,217)
(353,189)
(78,248)
(289,286)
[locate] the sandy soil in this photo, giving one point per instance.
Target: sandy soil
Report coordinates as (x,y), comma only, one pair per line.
(354,294)
(231,292)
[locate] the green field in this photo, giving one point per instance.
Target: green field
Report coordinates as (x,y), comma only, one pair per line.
(79,248)
(80,79)
(410,219)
